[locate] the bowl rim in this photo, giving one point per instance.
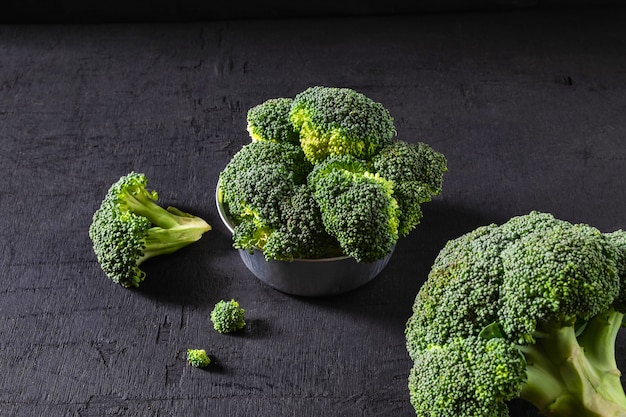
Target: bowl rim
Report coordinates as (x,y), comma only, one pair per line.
(223,213)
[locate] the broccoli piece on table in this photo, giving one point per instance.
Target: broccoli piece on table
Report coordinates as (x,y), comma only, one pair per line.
(228,316)
(535,291)
(357,207)
(198,358)
(129,228)
(270,121)
(416,171)
(339,121)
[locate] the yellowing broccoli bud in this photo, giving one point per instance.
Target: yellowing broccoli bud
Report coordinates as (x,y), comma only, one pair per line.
(198,358)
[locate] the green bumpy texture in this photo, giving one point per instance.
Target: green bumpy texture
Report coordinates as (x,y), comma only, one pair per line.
(340,121)
(198,358)
(323,177)
(270,121)
(357,207)
(228,316)
(448,380)
(129,228)
(416,171)
(542,289)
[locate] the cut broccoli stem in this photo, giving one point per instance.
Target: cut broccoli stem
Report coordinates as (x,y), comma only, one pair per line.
(144,204)
(174,229)
(563,381)
(164,241)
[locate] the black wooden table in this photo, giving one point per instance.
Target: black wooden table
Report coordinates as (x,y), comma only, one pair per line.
(529,108)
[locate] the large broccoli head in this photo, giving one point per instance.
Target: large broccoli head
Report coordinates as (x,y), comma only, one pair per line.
(340,121)
(548,290)
(129,228)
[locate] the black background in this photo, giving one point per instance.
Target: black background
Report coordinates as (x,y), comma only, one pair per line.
(527,104)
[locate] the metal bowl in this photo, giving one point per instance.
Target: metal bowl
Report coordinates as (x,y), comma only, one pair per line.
(307,277)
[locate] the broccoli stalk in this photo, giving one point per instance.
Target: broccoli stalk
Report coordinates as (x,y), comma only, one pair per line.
(172,228)
(570,374)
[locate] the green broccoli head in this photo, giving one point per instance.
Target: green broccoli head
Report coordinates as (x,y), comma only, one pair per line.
(416,171)
(556,276)
(198,358)
(301,233)
(228,316)
(259,153)
(544,286)
(357,207)
(129,228)
(340,121)
(270,121)
(254,183)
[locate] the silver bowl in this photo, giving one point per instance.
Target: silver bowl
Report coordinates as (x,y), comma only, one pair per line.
(307,277)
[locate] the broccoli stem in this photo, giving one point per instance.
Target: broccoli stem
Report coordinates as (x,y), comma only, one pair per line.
(174,229)
(598,341)
(563,380)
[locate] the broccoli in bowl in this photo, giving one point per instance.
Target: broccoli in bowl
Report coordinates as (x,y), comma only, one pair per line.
(323,176)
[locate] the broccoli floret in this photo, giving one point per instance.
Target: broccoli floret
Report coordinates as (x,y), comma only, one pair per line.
(301,233)
(547,291)
(279,217)
(270,121)
(129,228)
(267,197)
(198,358)
(339,121)
(287,200)
(416,171)
(357,207)
(449,380)
(228,316)
(234,188)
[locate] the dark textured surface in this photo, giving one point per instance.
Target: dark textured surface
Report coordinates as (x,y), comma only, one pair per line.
(528,107)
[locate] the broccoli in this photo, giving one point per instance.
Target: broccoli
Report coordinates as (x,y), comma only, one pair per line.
(257,155)
(270,121)
(228,316)
(357,207)
(301,233)
(416,171)
(344,187)
(339,121)
(198,358)
(528,309)
(264,188)
(129,228)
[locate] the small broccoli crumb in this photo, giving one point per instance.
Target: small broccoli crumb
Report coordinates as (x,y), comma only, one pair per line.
(228,316)
(198,358)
